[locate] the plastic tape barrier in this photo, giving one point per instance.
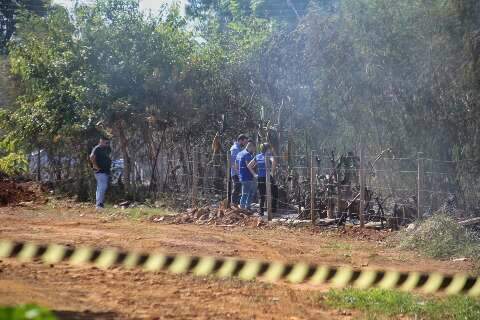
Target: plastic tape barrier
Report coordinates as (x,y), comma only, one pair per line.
(244,269)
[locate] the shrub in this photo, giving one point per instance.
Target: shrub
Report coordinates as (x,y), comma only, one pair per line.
(13,164)
(441,236)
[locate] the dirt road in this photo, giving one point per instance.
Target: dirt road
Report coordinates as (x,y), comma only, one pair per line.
(89,293)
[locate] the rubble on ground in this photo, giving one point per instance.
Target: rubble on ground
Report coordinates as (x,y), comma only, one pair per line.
(214,216)
(20,193)
(292,222)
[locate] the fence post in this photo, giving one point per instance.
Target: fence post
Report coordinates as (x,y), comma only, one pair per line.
(338,200)
(229,180)
(419,184)
(268,187)
(362,187)
(312,188)
(194,178)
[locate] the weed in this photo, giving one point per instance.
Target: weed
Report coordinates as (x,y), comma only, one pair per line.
(25,312)
(441,237)
(385,304)
(137,213)
(340,246)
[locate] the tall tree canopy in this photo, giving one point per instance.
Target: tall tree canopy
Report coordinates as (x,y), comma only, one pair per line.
(401,74)
(9,10)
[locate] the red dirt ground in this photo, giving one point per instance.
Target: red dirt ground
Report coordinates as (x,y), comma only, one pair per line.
(14,193)
(89,293)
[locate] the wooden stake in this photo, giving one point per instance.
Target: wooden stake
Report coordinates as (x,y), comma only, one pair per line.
(269,187)
(312,188)
(362,187)
(194,178)
(229,179)
(419,184)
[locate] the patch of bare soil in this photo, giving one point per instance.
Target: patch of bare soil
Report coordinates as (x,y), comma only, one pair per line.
(15,193)
(214,216)
(364,234)
(89,293)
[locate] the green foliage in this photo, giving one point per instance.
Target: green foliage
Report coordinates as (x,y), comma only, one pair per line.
(440,236)
(8,11)
(226,11)
(13,164)
(49,64)
(401,74)
(26,312)
(385,304)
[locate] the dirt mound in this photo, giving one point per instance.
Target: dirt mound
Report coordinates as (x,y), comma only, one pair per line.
(14,193)
(214,216)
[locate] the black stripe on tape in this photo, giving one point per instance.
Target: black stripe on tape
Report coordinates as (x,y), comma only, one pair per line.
(311,271)
(355,275)
(469,284)
(68,253)
(401,279)
(445,283)
(95,254)
(217,265)
(121,256)
(286,271)
(331,273)
(40,251)
(193,263)
(168,261)
(17,248)
(378,277)
(142,259)
(238,267)
(263,268)
(422,280)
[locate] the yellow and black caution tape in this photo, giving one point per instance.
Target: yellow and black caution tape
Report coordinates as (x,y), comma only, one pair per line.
(245,269)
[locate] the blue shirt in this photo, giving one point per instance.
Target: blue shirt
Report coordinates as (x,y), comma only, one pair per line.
(261,168)
(234,151)
(243,159)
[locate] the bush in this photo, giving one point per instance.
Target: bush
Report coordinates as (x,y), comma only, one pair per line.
(26,312)
(440,236)
(13,164)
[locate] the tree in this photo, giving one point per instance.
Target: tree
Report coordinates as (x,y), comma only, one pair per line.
(9,10)
(285,11)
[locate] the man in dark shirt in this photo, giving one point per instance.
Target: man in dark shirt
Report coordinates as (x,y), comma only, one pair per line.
(101,164)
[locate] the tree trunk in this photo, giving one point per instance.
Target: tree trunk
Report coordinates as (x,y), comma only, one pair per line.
(127,163)
(39,163)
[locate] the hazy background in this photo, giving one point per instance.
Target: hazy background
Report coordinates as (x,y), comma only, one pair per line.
(153,5)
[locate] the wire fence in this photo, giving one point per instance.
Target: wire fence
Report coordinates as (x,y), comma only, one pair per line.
(325,186)
(395,188)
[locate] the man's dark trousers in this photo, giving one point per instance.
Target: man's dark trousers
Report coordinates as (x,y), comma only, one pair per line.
(236,190)
(262,189)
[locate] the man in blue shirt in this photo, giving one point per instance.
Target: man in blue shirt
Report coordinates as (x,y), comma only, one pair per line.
(259,162)
(246,176)
(235,182)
